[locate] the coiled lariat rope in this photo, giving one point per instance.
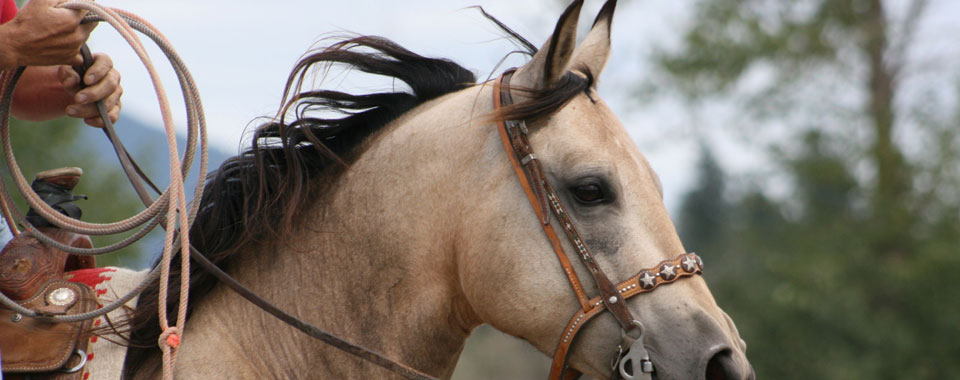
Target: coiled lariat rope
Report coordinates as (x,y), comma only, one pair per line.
(173,200)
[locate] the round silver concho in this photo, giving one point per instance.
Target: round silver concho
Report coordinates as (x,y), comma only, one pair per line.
(61,297)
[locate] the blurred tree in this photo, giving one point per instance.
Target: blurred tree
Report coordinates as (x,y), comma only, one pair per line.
(851,276)
(67,142)
(704,210)
(62,143)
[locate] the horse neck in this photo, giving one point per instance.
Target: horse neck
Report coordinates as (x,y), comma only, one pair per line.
(373,262)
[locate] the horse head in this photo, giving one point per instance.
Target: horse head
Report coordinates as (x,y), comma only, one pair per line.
(510,273)
(410,220)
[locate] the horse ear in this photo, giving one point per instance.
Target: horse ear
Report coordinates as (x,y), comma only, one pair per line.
(552,60)
(595,49)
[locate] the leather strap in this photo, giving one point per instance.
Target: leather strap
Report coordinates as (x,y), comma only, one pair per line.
(543,197)
(534,199)
(307,328)
(136,175)
(38,344)
(133,171)
(645,281)
(516,132)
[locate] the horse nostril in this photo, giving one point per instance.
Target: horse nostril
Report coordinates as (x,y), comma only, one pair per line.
(722,367)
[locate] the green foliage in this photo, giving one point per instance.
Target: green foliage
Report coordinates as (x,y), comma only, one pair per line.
(814,301)
(704,210)
(66,142)
(730,37)
(850,275)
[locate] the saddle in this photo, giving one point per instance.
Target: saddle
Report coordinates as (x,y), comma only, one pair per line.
(31,273)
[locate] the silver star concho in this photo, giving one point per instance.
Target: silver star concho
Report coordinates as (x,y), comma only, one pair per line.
(689,264)
(668,272)
(647,280)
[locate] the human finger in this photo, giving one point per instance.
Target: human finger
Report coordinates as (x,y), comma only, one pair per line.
(91,113)
(63,14)
(99,90)
(102,64)
(113,114)
(77,60)
(115,111)
(69,79)
(85,29)
(82,111)
(113,101)
(95,122)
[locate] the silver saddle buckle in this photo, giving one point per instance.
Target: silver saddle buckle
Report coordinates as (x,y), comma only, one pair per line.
(635,357)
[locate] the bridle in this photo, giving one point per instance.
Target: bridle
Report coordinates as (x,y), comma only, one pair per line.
(543,198)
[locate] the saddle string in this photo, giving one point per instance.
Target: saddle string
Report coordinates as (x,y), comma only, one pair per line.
(176,210)
(8,80)
(135,175)
(307,328)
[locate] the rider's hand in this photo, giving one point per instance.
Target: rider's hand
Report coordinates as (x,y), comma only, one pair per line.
(42,34)
(103,83)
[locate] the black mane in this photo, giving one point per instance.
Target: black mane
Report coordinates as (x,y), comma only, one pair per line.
(255,196)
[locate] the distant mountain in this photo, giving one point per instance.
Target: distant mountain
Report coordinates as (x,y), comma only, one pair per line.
(147,144)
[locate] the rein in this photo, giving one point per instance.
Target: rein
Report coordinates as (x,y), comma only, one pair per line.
(633,355)
(172,200)
(125,22)
(632,361)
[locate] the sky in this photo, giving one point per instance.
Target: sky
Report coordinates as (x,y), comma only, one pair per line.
(240,53)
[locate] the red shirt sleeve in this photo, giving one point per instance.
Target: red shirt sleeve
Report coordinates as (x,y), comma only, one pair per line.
(8,9)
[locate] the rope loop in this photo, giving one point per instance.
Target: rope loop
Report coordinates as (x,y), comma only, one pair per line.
(169,210)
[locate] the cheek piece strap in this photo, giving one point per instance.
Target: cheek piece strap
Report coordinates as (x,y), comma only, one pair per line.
(633,360)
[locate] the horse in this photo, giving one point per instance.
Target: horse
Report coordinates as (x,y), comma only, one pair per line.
(395,221)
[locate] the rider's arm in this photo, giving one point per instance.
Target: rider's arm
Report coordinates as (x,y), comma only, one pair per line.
(47,39)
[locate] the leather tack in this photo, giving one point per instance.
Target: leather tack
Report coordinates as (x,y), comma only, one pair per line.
(513,135)
(61,297)
(647,280)
(689,264)
(629,288)
(32,346)
(668,272)
(542,197)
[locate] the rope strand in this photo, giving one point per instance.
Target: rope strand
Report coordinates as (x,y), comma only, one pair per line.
(168,210)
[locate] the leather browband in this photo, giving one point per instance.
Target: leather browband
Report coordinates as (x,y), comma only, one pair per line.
(542,197)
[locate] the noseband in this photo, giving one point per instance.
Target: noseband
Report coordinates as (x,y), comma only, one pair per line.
(633,360)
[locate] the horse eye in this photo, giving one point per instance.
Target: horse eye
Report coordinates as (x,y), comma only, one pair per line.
(588,193)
